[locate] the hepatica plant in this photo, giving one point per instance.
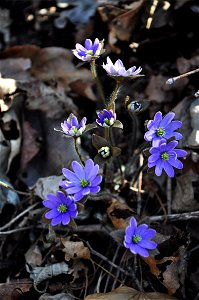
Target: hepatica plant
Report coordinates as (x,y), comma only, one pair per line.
(82,178)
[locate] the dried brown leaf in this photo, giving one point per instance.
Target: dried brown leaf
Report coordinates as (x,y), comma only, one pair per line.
(119,214)
(30,147)
(127,293)
(46,185)
(185,199)
(33,256)
(75,250)
(61,296)
(40,274)
(12,290)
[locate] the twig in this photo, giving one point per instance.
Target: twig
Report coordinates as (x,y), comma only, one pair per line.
(18,216)
(173,79)
(107,260)
(15,230)
(174,217)
(13,190)
(111,268)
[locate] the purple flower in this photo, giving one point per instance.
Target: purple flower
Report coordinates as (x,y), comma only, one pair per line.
(165,157)
(118,69)
(106,118)
(89,51)
(160,128)
(72,127)
(62,208)
(83,181)
(137,238)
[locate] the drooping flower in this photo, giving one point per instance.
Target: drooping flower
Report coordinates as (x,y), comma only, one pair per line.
(106,118)
(119,70)
(165,157)
(160,128)
(83,181)
(71,127)
(62,208)
(104,148)
(137,238)
(89,51)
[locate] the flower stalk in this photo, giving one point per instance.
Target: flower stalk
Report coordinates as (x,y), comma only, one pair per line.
(99,87)
(78,152)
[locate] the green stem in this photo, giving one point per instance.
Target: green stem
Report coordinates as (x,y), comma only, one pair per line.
(111,104)
(106,133)
(99,87)
(77,151)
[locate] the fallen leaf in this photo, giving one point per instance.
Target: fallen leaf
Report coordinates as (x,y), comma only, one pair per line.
(51,100)
(13,290)
(75,250)
(33,256)
(46,185)
(30,147)
(119,214)
(184,198)
(40,274)
(127,293)
(152,263)
(61,296)
(174,272)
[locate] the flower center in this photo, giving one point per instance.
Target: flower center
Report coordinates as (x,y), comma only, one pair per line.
(104,151)
(62,208)
(89,52)
(165,156)
(74,129)
(107,121)
(136,238)
(160,131)
(84,182)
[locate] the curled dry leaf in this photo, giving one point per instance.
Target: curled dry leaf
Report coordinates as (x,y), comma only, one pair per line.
(122,22)
(61,296)
(50,99)
(30,147)
(127,293)
(33,256)
(152,263)
(40,274)
(75,250)
(14,289)
(46,185)
(119,214)
(7,87)
(185,198)
(174,272)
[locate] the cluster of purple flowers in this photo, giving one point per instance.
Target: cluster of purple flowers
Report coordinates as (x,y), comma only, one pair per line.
(164,156)
(84,180)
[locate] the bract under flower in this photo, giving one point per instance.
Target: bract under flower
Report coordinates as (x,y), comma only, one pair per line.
(71,127)
(137,238)
(165,157)
(119,70)
(106,118)
(83,181)
(160,128)
(62,208)
(89,51)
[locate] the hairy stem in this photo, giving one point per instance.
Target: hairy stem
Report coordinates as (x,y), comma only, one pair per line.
(99,87)
(111,104)
(78,152)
